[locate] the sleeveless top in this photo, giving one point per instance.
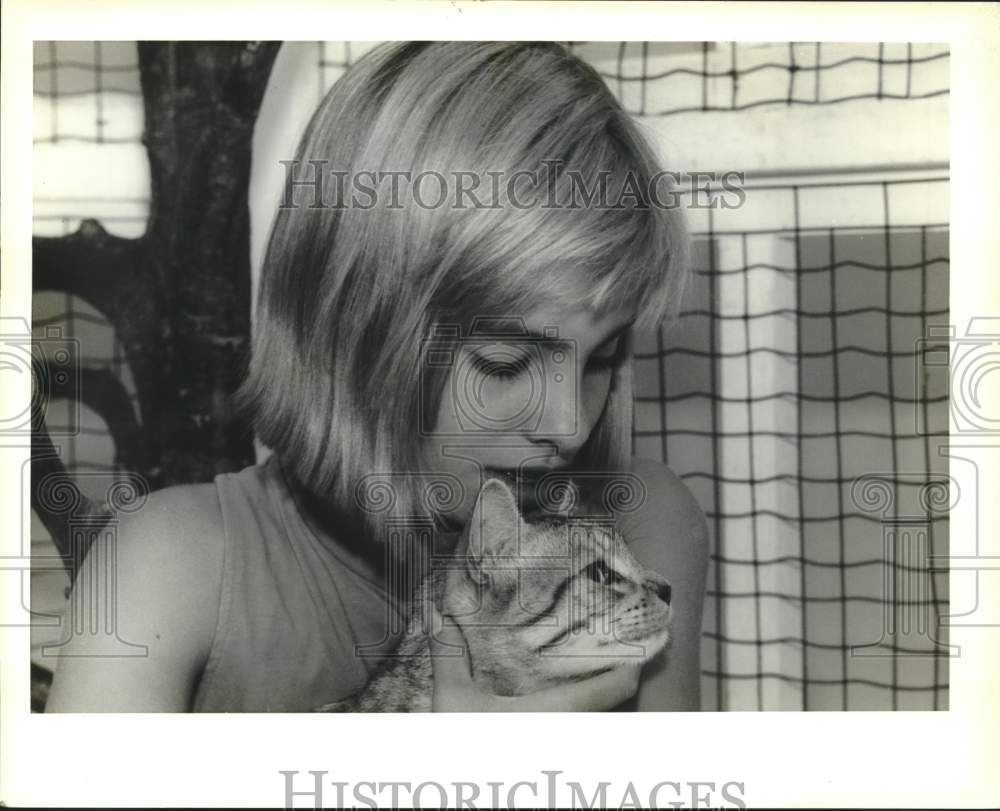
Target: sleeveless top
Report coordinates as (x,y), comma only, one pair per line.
(301,614)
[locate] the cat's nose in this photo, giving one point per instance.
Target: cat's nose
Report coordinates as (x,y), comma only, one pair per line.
(663,592)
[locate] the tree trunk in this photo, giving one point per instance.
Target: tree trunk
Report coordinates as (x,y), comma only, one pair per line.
(179,296)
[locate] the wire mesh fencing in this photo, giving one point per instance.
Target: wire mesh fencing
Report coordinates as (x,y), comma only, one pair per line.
(793,398)
(733,76)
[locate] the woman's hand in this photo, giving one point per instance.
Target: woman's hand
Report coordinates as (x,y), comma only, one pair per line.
(455,690)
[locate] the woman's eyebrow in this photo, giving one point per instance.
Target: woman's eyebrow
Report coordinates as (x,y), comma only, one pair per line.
(550,335)
(566,343)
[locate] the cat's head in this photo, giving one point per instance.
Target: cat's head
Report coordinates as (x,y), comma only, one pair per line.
(545,603)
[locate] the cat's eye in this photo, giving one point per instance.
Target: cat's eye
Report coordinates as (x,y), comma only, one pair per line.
(601,573)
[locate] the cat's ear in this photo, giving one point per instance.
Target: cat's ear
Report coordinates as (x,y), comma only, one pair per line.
(496,523)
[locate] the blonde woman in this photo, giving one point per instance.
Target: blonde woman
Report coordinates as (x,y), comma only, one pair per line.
(470,235)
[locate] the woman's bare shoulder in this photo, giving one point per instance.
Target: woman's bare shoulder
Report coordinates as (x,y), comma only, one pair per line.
(195,507)
(667,501)
(666,528)
(168,558)
(179,533)
(668,533)
(178,527)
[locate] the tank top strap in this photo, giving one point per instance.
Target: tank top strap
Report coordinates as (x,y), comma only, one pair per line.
(303,617)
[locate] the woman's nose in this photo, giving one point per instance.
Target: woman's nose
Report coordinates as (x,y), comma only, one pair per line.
(562,422)
(562,430)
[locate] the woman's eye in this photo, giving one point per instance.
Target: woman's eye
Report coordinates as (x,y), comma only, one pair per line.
(499,368)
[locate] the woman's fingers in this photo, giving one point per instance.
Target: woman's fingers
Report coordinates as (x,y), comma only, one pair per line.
(601,692)
(455,690)
(448,655)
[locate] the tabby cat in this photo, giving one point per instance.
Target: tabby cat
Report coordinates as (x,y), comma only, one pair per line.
(539,604)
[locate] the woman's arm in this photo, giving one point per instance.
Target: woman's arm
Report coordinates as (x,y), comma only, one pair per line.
(169,569)
(668,533)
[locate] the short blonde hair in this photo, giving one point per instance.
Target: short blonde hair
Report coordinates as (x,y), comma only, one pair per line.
(349,293)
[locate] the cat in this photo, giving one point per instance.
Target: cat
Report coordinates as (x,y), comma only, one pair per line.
(539,604)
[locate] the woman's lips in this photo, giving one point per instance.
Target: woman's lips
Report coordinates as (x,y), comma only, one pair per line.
(524,477)
(524,482)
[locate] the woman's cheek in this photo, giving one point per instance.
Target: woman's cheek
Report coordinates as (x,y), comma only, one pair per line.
(501,405)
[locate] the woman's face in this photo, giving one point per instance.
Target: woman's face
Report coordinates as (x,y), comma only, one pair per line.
(523,398)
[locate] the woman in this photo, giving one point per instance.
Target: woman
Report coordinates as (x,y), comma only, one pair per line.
(449,292)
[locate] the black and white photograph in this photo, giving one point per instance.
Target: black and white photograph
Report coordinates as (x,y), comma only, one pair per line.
(486,376)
